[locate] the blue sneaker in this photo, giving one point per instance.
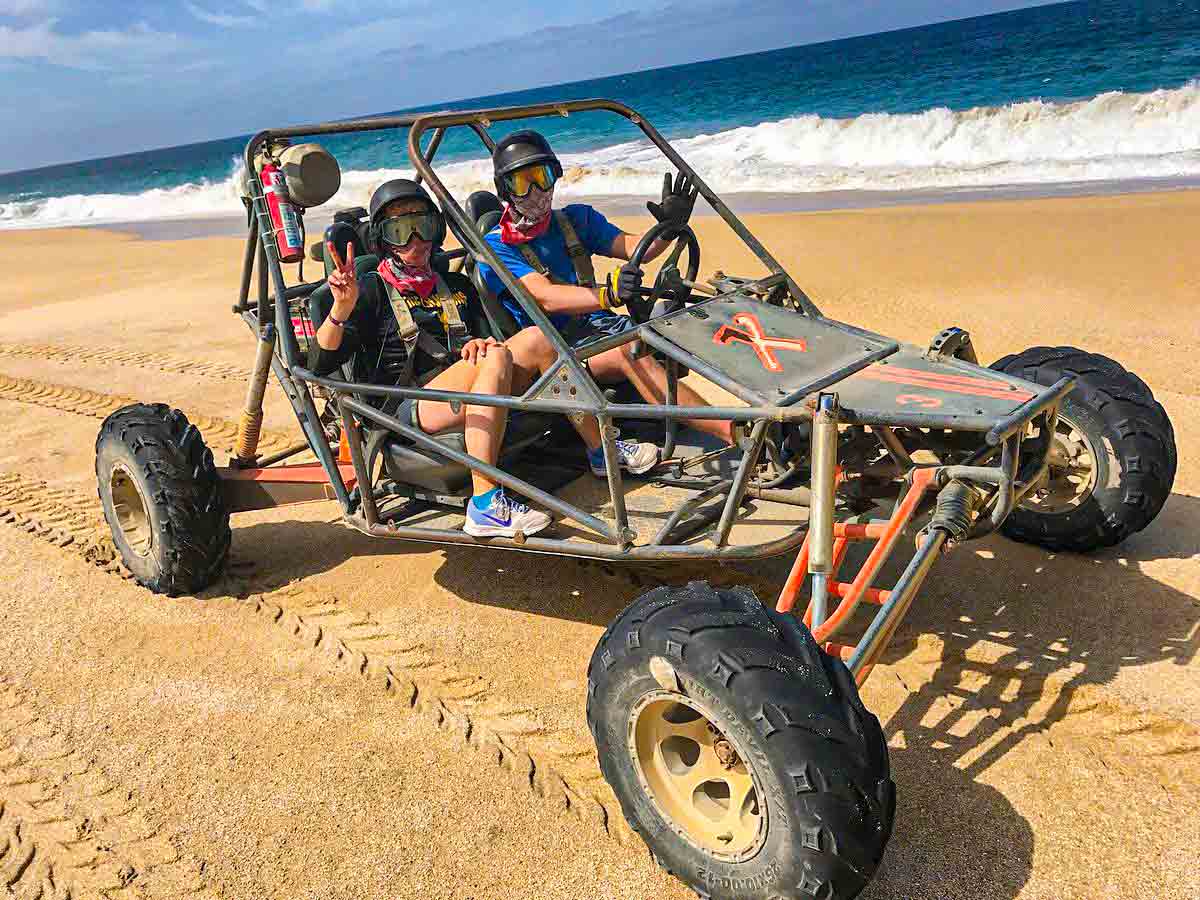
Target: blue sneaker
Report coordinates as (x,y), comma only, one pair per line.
(635,458)
(502,517)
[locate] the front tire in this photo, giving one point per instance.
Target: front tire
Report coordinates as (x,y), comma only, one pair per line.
(738,750)
(1113,459)
(162,498)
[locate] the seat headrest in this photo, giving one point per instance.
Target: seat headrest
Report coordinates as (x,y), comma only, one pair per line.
(480,204)
(488,221)
(340,234)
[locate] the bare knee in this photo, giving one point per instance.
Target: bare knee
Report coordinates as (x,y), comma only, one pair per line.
(498,362)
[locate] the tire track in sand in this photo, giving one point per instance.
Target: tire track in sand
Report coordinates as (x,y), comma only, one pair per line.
(160,362)
(218,433)
(552,763)
(67,832)
(557,765)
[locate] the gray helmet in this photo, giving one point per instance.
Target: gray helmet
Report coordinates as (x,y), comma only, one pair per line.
(402,189)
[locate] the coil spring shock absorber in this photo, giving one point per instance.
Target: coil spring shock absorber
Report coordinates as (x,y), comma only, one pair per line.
(250,424)
(956,505)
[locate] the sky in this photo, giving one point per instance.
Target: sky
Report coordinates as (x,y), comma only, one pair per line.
(90,78)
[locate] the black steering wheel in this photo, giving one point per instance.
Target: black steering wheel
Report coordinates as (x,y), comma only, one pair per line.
(669,285)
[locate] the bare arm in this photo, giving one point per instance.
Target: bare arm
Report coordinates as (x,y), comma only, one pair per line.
(624,244)
(561,298)
(344,286)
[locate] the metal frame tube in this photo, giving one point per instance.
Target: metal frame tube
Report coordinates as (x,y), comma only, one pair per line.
(688,507)
(896,450)
(1018,418)
(884,625)
(366,489)
(820,520)
(612,466)
(740,479)
(614,410)
(523,488)
(247,268)
(672,399)
(609,552)
(906,508)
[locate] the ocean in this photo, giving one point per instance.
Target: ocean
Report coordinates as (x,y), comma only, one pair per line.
(1093,94)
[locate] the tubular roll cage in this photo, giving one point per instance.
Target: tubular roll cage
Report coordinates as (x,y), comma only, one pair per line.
(568,388)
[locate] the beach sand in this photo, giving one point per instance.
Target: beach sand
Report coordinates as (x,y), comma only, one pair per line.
(346,718)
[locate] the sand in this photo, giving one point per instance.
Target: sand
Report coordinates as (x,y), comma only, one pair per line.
(346,718)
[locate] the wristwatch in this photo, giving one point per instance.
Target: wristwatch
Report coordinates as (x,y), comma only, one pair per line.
(340,323)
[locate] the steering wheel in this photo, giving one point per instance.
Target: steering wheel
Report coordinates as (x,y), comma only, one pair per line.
(669,285)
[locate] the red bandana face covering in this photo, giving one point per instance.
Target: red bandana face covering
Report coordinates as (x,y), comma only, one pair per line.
(512,233)
(408,279)
(526,218)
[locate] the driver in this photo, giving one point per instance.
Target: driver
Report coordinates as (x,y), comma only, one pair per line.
(550,252)
(410,322)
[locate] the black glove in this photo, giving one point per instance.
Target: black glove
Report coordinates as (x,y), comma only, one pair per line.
(629,280)
(677,200)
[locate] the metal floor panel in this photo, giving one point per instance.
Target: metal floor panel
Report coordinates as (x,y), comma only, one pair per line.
(771,351)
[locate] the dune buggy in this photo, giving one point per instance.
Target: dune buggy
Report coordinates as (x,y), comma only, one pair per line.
(731,731)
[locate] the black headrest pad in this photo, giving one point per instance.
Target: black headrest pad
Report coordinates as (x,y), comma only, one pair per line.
(481,203)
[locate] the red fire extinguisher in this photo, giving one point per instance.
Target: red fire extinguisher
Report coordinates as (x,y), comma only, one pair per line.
(283,215)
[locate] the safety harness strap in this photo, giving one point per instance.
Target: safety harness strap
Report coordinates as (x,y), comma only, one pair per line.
(412,335)
(581,259)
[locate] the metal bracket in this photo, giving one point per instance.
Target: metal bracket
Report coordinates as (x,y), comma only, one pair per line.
(952,343)
(561,384)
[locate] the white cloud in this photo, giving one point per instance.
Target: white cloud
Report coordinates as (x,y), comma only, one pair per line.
(92,50)
(221,20)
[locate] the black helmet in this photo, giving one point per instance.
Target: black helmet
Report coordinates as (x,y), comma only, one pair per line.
(402,189)
(518,150)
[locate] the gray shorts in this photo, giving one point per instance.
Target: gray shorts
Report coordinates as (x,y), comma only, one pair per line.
(583,330)
(406,412)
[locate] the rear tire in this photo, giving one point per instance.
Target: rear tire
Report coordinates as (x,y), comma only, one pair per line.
(683,671)
(162,498)
(1112,418)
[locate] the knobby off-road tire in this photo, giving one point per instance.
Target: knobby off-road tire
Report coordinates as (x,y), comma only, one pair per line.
(162,498)
(1122,445)
(694,687)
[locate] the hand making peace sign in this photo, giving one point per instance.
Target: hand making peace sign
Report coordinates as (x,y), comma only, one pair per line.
(343,283)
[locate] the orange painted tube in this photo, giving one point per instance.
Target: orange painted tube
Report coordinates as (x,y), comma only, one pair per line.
(860,531)
(877,596)
(901,516)
(791,587)
(841,651)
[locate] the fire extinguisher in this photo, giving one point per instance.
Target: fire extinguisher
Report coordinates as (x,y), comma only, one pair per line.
(284,216)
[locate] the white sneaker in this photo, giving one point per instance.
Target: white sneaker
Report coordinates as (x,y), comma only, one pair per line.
(503,518)
(635,458)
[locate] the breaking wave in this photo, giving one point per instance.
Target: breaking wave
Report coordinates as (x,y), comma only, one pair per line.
(1114,136)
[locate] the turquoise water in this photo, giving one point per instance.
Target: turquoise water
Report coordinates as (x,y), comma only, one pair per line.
(1077,92)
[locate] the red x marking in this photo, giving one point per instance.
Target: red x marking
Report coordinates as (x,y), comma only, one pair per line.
(751,332)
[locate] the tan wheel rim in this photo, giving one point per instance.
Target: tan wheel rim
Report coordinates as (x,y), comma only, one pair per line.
(696,776)
(129,506)
(1071,477)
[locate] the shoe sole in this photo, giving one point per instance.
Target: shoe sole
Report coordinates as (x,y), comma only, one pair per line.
(500,530)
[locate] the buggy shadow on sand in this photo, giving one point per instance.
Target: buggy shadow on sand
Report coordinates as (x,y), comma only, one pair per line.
(731,732)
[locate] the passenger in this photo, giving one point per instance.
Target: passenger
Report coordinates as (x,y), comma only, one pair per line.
(536,245)
(407,322)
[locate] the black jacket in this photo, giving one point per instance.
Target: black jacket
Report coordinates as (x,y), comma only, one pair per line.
(371,337)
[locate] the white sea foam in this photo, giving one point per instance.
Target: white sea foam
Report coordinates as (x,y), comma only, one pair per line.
(1114,136)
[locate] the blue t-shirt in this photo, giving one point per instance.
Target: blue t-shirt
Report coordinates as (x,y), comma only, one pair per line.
(595,232)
